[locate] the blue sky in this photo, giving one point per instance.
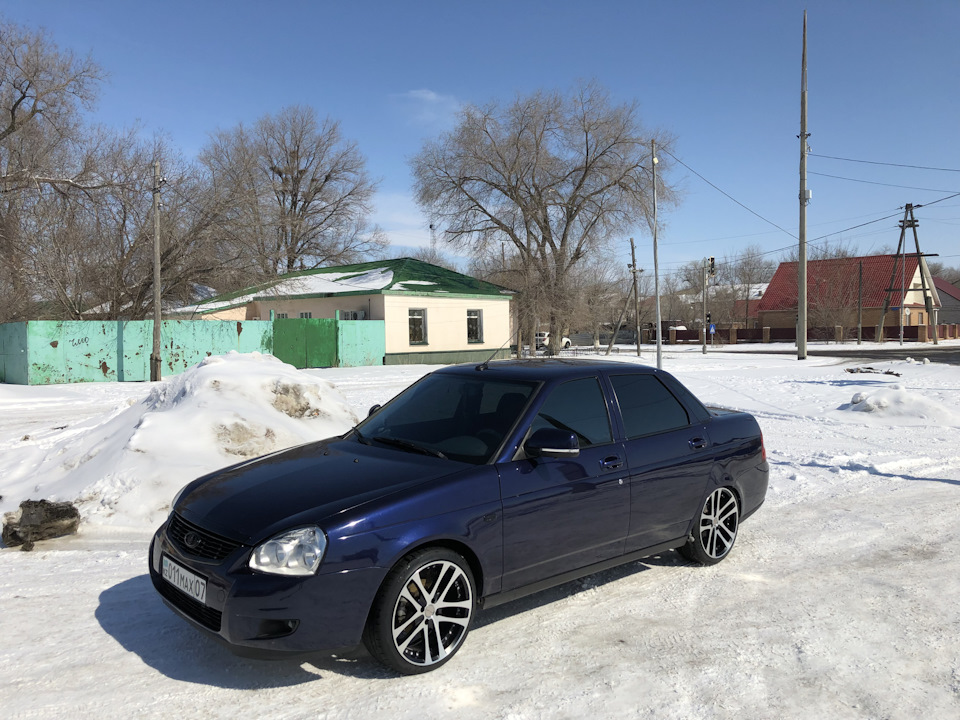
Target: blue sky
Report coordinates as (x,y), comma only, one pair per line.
(722,77)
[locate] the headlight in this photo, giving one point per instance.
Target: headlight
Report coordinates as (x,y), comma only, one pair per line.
(296,552)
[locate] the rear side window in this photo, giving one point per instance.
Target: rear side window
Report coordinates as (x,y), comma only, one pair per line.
(579,406)
(647,406)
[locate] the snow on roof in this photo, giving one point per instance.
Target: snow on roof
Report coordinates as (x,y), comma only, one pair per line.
(404,274)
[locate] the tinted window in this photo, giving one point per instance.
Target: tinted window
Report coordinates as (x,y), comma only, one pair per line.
(579,406)
(647,406)
(465,418)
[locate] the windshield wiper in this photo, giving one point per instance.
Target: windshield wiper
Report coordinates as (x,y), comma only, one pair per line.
(360,436)
(407,445)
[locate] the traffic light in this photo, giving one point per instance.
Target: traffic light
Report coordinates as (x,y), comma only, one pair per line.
(713,267)
(708,318)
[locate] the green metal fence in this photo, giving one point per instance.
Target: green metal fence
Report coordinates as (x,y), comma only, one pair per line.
(45,352)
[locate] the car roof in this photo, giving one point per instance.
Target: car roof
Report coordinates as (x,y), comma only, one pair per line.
(547,368)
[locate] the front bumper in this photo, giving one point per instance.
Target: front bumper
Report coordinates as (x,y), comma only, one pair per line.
(262,615)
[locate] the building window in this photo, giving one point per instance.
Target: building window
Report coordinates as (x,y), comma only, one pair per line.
(418,326)
(306,315)
(475,326)
(919,318)
(281,316)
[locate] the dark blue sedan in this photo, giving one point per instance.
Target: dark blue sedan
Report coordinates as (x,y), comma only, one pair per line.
(476,485)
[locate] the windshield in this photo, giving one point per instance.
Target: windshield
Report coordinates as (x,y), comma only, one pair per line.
(462,418)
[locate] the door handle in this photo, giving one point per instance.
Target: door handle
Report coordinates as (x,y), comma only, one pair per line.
(612,462)
(698,443)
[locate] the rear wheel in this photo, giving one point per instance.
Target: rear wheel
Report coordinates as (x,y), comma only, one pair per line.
(423,612)
(715,530)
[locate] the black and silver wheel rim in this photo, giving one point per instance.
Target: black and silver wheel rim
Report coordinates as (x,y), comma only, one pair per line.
(432,613)
(718,523)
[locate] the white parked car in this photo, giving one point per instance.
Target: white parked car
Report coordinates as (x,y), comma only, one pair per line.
(543,339)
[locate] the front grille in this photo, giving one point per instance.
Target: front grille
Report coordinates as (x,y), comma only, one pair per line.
(209,547)
(206,616)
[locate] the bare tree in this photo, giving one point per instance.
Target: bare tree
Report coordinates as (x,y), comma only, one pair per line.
(42,89)
(553,176)
(833,297)
(93,250)
(749,269)
(298,192)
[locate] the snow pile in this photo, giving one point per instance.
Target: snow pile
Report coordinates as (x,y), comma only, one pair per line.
(126,469)
(895,400)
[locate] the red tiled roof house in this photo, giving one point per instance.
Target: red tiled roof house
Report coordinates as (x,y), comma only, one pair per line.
(833,288)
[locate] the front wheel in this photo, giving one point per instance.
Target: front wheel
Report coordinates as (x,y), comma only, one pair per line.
(715,530)
(423,612)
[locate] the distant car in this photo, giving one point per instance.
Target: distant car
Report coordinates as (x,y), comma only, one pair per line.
(543,340)
(475,486)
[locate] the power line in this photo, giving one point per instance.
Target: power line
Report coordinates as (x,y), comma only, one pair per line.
(728,195)
(874,162)
(872,182)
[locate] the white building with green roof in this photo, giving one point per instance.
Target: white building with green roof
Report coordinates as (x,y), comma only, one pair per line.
(430,314)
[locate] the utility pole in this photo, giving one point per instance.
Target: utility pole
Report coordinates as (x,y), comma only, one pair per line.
(909,222)
(155,355)
(710,269)
(802,264)
(636,290)
(656,265)
(703,286)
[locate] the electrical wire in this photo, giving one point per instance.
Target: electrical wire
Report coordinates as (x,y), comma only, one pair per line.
(873,182)
(874,162)
(728,195)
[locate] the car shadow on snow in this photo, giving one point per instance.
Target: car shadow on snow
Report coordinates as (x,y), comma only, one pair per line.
(575,587)
(132,613)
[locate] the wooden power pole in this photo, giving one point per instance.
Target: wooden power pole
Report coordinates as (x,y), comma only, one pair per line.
(155,355)
(802,264)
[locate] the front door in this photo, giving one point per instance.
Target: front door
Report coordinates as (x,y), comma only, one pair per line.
(562,514)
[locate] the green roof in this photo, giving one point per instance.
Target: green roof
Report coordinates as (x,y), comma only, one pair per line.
(378,277)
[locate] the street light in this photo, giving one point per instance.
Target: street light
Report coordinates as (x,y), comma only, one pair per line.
(656,264)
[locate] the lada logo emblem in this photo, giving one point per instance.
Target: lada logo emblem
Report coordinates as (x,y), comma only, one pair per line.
(192,540)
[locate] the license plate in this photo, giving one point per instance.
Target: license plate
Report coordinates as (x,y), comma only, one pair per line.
(184,580)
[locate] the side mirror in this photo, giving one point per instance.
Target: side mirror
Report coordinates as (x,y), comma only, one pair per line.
(552,443)
(373,409)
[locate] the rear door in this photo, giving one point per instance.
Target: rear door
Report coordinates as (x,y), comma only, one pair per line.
(669,459)
(564,514)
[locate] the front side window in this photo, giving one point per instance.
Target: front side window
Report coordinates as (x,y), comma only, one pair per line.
(465,418)
(418,326)
(577,406)
(475,326)
(647,406)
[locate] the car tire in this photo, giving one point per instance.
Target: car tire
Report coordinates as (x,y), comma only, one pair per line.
(715,529)
(423,611)
(566,345)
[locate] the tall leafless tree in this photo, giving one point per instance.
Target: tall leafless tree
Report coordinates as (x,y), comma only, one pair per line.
(749,268)
(42,89)
(554,176)
(299,193)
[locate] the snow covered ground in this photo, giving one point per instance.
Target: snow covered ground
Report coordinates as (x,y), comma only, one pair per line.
(839,600)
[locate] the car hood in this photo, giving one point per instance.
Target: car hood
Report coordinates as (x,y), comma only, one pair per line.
(302,485)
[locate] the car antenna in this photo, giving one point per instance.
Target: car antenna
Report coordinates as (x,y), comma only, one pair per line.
(485,365)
